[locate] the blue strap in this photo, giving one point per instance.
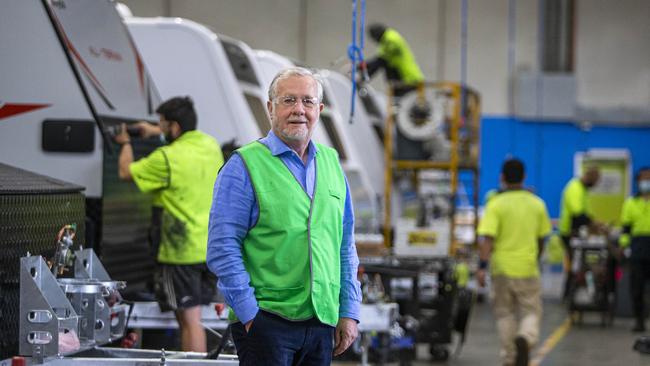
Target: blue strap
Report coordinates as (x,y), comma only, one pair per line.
(355,53)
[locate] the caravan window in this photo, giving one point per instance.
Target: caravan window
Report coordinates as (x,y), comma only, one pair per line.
(370,105)
(326,101)
(240,63)
(332,133)
(259,112)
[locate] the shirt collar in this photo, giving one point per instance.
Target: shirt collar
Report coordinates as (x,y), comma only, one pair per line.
(279,147)
(186,135)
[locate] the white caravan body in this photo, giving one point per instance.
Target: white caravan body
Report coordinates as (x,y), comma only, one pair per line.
(366,193)
(375,106)
(369,148)
(70,75)
(187,58)
(270,63)
(60,64)
(242,61)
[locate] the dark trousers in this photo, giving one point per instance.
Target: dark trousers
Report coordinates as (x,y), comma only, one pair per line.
(275,341)
(568,281)
(639,275)
(392,75)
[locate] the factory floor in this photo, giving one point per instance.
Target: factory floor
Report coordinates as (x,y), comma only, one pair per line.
(561,342)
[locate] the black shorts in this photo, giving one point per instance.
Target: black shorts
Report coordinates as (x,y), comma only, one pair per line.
(181,286)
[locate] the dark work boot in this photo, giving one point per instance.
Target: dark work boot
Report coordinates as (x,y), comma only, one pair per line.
(521,345)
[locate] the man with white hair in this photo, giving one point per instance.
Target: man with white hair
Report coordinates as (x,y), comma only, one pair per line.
(281,237)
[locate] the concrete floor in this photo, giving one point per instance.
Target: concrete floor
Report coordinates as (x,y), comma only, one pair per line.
(585,344)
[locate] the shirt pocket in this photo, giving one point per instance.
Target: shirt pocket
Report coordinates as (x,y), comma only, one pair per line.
(336,194)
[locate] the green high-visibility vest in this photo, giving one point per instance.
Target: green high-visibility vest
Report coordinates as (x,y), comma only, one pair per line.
(636,215)
(292,254)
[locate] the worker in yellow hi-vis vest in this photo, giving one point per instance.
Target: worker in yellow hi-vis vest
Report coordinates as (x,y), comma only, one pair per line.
(180,176)
(575,212)
(512,232)
(635,218)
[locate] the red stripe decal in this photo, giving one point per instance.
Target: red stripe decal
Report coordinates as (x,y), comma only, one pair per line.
(138,62)
(9,109)
(80,59)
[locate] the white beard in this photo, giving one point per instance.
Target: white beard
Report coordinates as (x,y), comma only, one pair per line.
(294,135)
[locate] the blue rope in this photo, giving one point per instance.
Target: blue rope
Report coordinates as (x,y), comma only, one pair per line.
(363,25)
(355,52)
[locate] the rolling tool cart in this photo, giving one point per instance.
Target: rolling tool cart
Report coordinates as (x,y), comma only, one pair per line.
(425,293)
(591,288)
(431,305)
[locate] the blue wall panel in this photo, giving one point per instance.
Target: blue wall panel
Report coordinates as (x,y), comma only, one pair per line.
(548,148)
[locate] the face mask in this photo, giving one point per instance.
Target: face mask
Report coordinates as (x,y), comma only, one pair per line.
(166,138)
(644,186)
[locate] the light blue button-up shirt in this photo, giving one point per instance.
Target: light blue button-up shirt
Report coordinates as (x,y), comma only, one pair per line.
(235,211)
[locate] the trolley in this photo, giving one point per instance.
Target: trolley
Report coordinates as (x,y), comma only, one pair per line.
(591,288)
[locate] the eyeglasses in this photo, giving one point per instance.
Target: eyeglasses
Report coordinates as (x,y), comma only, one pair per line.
(290,101)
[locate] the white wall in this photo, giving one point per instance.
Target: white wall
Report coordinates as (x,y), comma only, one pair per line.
(330,27)
(612,63)
(267,24)
(487,50)
(146,8)
(613,53)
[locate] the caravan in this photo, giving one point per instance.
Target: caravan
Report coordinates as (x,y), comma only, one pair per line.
(369,147)
(71,75)
(228,85)
(364,150)
(186,58)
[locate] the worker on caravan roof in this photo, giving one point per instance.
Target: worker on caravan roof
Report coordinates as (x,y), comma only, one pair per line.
(396,58)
